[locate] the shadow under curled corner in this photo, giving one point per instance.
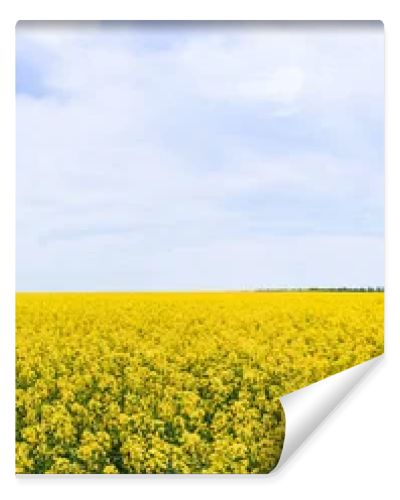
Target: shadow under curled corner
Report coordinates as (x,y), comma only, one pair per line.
(308,407)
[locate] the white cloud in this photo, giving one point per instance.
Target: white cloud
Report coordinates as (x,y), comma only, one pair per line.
(115,262)
(108,191)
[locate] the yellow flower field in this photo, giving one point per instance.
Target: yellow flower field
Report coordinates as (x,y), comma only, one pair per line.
(175,382)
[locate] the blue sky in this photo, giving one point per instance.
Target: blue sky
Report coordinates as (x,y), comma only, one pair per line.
(173,156)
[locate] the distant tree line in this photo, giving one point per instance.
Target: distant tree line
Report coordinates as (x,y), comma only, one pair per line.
(325,289)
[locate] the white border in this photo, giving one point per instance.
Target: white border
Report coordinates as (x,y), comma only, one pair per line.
(366,425)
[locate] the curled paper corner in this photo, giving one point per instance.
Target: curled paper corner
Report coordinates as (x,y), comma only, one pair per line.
(308,407)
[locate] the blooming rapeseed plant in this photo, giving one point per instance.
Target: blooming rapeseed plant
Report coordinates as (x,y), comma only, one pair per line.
(175,383)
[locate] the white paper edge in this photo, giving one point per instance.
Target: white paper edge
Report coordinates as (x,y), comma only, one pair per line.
(307,408)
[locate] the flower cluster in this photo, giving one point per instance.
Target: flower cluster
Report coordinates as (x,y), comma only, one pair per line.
(175,383)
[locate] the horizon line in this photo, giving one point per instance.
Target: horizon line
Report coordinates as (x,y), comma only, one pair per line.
(369,288)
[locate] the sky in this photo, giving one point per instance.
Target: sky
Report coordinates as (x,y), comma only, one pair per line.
(199,156)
